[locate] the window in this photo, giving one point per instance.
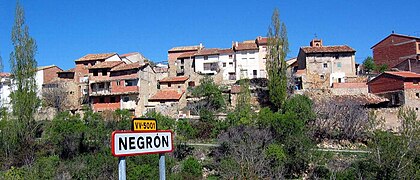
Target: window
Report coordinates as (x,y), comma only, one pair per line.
(118,83)
(179,87)
(182,61)
(101,100)
(93,63)
(230,64)
(339,64)
(112,99)
(169,84)
(206,57)
(325,65)
(131,82)
(254,73)
(104,73)
(415,82)
(101,85)
(224,64)
(322,76)
(417,95)
(126,99)
(230,56)
(339,80)
(86,64)
(95,73)
(207,66)
(252,58)
(191,84)
(337,56)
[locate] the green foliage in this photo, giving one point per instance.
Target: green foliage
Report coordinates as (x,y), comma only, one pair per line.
(278,47)
(46,167)
(243,105)
(185,129)
(213,99)
(191,169)
(182,151)
(65,133)
(368,64)
(381,68)
(15,174)
(275,154)
(164,122)
(301,106)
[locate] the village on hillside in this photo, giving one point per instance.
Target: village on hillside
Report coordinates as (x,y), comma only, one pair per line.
(111,81)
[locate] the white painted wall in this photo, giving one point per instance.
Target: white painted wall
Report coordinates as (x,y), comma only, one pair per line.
(199,63)
(247,61)
(114,58)
(39,79)
(130,104)
(230,65)
(5,91)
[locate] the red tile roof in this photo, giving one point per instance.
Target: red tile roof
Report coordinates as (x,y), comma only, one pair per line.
(245,46)
(262,40)
(203,52)
(184,48)
(186,55)
(5,74)
(399,35)
(67,71)
(226,51)
(404,74)
(129,54)
(174,79)
(91,57)
(122,67)
(166,95)
(106,64)
(327,49)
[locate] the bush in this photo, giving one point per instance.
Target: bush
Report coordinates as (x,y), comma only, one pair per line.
(191,168)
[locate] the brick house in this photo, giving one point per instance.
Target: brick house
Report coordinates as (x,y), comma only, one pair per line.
(116,85)
(395,49)
(44,75)
(320,66)
(175,52)
(171,96)
(400,87)
(412,65)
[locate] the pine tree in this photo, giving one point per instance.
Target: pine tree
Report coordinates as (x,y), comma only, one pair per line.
(278,47)
(23,68)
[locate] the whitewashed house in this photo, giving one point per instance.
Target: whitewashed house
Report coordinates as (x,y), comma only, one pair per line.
(5,90)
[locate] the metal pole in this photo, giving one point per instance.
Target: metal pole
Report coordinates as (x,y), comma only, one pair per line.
(121,168)
(162,174)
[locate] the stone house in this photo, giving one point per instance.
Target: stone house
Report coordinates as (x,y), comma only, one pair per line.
(324,65)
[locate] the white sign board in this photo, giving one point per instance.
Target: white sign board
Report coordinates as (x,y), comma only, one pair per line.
(130,143)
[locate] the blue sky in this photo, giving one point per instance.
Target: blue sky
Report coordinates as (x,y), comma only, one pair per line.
(67,30)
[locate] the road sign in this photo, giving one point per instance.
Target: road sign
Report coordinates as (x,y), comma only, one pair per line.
(143,124)
(131,143)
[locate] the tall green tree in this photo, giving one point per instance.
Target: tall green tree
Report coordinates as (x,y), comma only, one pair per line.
(243,103)
(368,64)
(23,68)
(278,47)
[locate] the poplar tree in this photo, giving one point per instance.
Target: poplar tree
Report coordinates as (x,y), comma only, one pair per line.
(278,47)
(23,68)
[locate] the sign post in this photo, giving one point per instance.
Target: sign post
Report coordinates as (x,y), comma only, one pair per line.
(144,138)
(121,168)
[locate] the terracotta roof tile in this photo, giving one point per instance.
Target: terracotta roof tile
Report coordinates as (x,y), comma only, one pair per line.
(187,55)
(91,57)
(203,52)
(327,49)
(226,51)
(47,67)
(399,35)
(106,64)
(123,67)
(166,95)
(184,48)
(245,46)
(129,54)
(5,74)
(404,74)
(67,71)
(262,40)
(174,79)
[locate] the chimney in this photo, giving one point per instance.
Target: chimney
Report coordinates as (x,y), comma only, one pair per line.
(236,43)
(201,45)
(316,43)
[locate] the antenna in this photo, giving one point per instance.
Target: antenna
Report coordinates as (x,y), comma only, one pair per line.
(316,37)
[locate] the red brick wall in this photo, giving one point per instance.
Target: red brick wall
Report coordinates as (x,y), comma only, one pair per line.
(107,105)
(50,74)
(390,53)
(122,88)
(385,83)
